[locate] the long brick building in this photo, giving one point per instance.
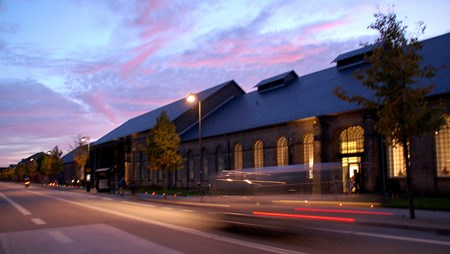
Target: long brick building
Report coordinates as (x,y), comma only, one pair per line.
(288,123)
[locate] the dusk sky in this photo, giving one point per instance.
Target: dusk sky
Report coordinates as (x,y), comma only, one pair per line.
(70,67)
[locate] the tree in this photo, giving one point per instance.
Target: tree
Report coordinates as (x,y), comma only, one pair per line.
(80,148)
(51,163)
(399,101)
(162,147)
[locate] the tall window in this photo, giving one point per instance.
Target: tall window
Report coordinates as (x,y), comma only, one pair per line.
(282,152)
(204,173)
(351,140)
(308,153)
(258,154)
(190,166)
(397,167)
(238,165)
(220,161)
(443,152)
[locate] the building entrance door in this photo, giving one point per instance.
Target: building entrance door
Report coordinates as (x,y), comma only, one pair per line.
(349,165)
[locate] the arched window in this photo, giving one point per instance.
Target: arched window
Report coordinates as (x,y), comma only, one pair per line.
(204,174)
(351,140)
(220,160)
(282,151)
(397,167)
(443,151)
(238,165)
(258,154)
(308,153)
(190,166)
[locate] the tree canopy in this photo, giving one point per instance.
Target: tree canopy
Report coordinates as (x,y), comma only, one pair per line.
(162,146)
(80,148)
(400,85)
(51,162)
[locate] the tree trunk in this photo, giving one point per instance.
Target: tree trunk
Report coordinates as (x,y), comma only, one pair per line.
(412,214)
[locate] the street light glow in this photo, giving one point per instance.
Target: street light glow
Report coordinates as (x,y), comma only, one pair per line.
(192,98)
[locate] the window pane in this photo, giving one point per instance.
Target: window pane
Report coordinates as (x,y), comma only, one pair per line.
(397,166)
(443,152)
(220,161)
(352,140)
(282,151)
(238,156)
(308,153)
(205,170)
(259,154)
(190,165)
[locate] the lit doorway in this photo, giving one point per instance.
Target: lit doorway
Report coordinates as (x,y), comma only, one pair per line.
(349,165)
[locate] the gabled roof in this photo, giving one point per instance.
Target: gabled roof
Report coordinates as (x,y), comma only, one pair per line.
(309,96)
(146,121)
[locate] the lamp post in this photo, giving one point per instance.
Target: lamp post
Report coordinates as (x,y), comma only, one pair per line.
(85,140)
(191,99)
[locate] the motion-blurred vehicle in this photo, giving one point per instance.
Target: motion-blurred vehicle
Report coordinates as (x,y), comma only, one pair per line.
(27,182)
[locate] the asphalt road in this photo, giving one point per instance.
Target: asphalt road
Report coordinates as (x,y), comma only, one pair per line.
(40,220)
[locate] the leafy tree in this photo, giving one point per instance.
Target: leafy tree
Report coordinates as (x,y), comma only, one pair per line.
(80,148)
(31,168)
(162,147)
(399,101)
(51,163)
(20,171)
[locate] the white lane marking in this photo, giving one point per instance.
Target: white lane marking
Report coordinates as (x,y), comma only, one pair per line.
(60,237)
(17,206)
(38,221)
(137,204)
(224,239)
(404,238)
(187,210)
(393,237)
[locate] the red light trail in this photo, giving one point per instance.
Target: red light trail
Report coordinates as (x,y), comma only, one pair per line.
(343,211)
(308,217)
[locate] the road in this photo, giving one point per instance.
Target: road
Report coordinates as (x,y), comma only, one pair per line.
(41,220)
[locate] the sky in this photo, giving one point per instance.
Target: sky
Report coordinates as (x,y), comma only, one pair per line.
(84,67)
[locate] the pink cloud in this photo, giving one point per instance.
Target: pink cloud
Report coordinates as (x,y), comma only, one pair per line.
(326,26)
(97,102)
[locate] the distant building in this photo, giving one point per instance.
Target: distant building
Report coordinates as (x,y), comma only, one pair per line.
(288,122)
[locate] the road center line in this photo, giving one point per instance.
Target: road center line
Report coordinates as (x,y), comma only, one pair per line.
(392,237)
(404,238)
(263,247)
(38,221)
(60,237)
(17,206)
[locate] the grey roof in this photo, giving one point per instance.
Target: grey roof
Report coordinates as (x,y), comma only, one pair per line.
(308,96)
(68,158)
(146,121)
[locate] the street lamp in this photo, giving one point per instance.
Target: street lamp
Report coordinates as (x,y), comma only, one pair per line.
(192,98)
(85,140)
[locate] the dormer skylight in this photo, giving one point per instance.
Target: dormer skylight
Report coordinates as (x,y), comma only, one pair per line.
(276,81)
(353,58)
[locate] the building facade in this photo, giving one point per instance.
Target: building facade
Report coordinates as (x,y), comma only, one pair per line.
(289,123)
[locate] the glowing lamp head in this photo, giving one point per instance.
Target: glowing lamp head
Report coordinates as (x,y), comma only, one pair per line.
(192,98)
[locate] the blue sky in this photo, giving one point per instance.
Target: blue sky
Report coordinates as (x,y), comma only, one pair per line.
(71,67)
